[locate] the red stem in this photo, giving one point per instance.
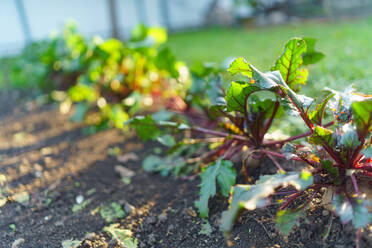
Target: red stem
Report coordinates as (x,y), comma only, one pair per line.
(275,142)
(217,133)
(279,155)
(268,124)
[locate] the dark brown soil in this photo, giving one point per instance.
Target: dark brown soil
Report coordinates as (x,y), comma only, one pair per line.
(50,158)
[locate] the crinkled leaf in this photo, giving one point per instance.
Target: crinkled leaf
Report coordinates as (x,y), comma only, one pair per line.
(316,116)
(286,219)
(300,101)
(321,136)
(236,94)
(311,56)
(362,114)
(265,81)
(239,65)
(224,173)
(354,209)
(290,61)
(256,196)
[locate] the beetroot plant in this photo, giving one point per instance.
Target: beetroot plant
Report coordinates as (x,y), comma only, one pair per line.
(244,113)
(338,155)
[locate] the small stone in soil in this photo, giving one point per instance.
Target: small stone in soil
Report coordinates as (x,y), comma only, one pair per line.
(151,239)
(325,213)
(128,208)
(150,220)
(91,236)
(162,217)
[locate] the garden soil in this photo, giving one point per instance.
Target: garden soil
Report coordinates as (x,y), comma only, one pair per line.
(48,165)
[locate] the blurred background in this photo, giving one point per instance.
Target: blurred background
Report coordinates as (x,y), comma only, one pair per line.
(211,30)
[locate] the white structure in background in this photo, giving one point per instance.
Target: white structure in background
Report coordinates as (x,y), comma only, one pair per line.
(41,17)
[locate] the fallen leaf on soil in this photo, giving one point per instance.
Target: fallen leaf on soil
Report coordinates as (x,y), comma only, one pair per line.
(191,212)
(124,173)
(123,236)
(21,197)
(127,157)
(71,243)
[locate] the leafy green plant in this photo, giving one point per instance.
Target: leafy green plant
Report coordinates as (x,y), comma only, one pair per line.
(244,111)
(338,153)
(122,79)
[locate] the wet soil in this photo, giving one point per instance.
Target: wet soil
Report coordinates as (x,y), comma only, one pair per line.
(51,159)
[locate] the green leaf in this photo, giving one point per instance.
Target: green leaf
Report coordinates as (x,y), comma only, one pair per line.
(167,61)
(321,136)
(354,209)
(267,80)
(286,219)
(289,63)
(350,139)
(255,196)
(112,212)
(236,94)
(80,110)
(71,243)
(82,92)
(145,127)
(239,65)
(316,116)
(272,80)
(201,69)
(167,140)
(123,236)
(118,116)
(367,152)
(311,56)
(153,163)
(362,115)
(224,173)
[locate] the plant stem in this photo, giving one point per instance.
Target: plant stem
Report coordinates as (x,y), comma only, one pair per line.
(218,133)
(355,184)
(275,142)
(275,162)
(279,155)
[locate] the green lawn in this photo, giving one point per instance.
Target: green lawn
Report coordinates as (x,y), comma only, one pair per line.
(346,44)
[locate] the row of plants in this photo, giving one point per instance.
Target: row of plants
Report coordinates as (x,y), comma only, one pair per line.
(105,80)
(217,125)
(237,118)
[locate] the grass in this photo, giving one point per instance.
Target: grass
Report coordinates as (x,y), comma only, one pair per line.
(346,44)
